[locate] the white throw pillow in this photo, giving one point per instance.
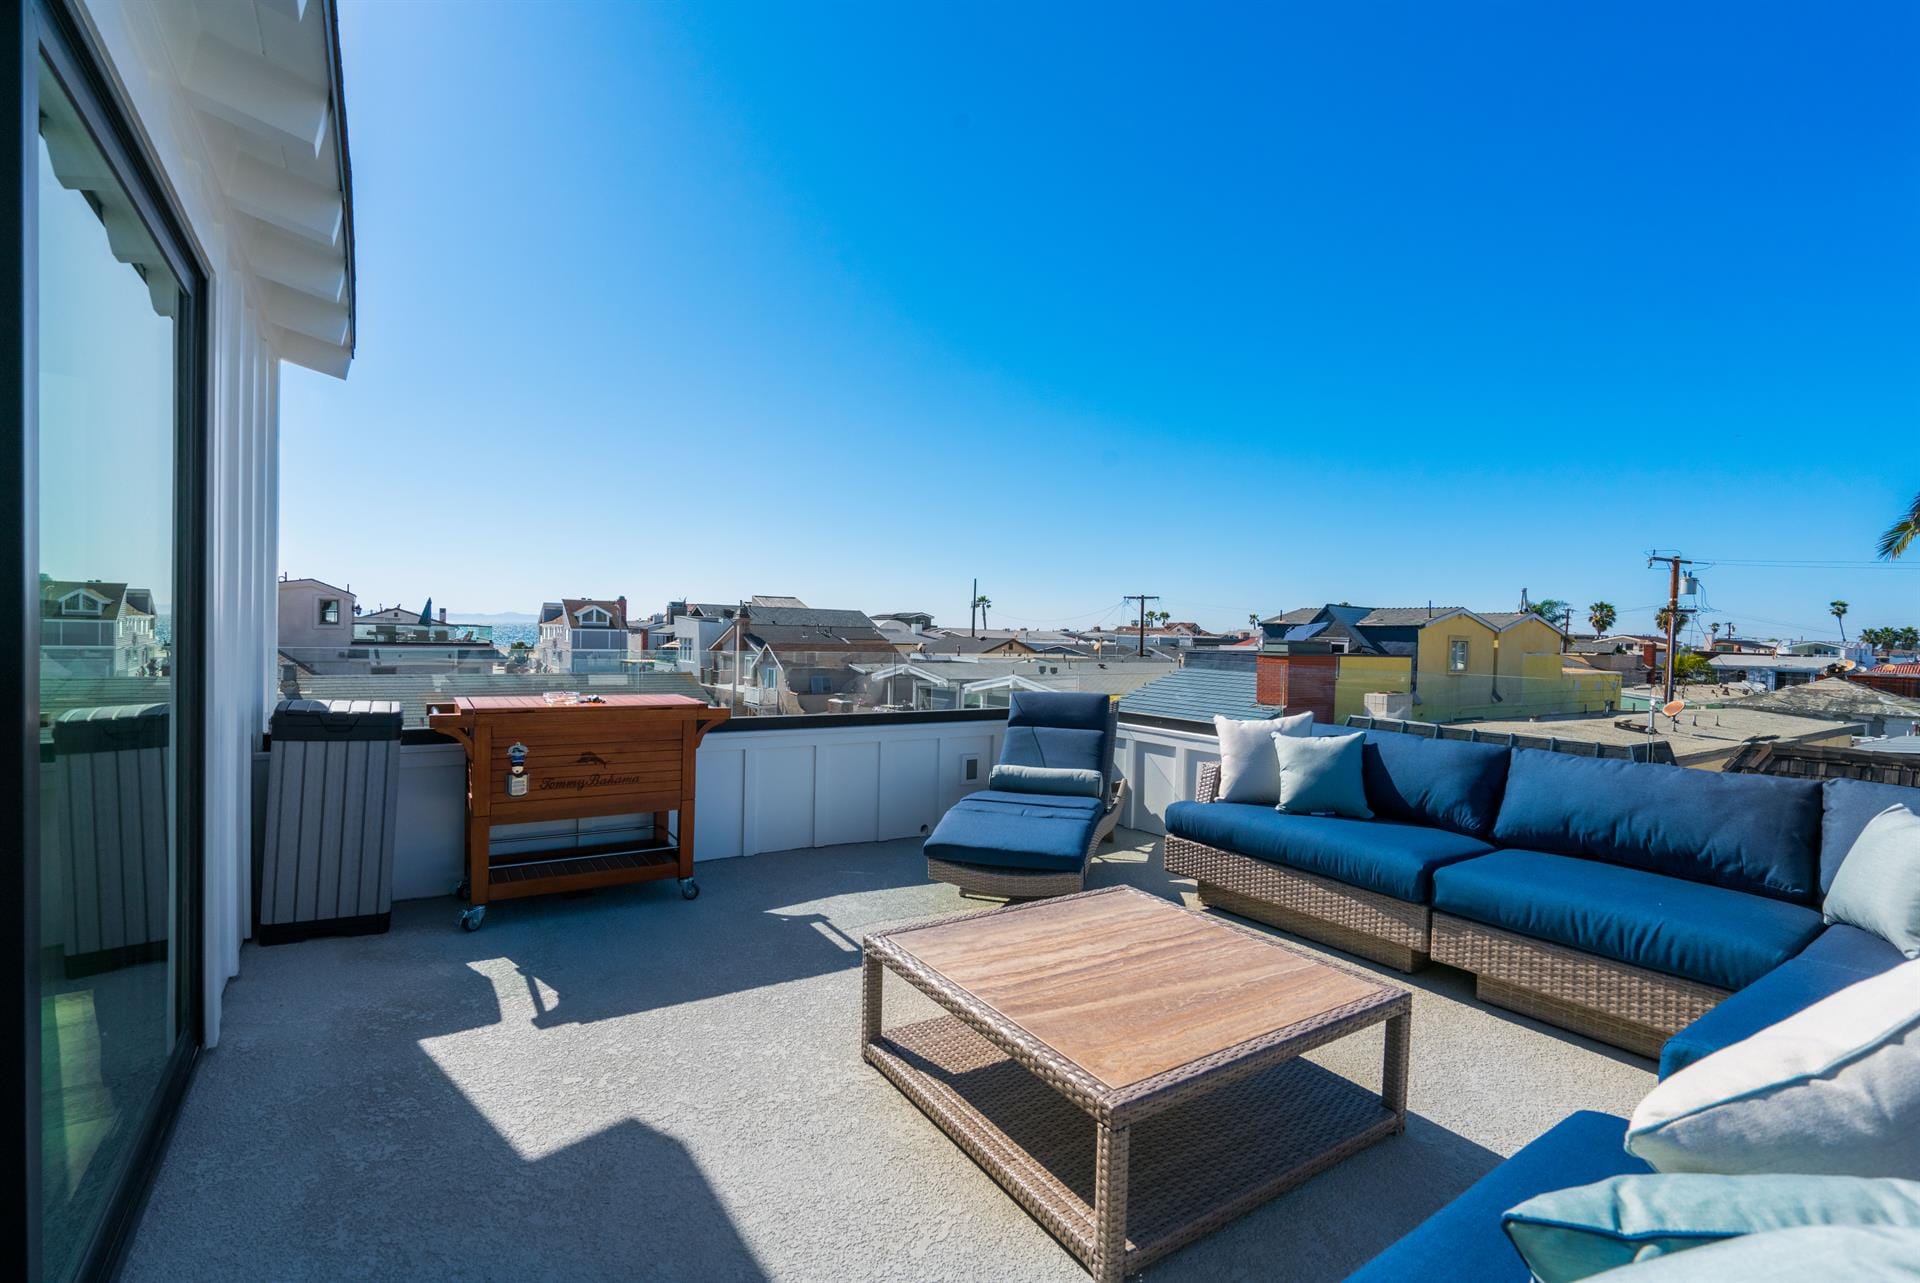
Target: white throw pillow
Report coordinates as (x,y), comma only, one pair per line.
(1248,770)
(1831,1090)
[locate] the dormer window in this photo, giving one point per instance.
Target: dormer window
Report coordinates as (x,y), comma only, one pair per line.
(82,602)
(594,617)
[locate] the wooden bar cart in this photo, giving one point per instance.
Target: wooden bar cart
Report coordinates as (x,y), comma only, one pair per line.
(530,758)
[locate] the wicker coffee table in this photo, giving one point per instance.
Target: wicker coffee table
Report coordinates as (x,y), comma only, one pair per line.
(1129,1070)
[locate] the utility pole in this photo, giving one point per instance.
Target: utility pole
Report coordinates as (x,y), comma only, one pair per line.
(1674,562)
(1143,599)
(973,606)
(739,626)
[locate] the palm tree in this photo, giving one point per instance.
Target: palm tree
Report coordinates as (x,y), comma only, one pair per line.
(1901,533)
(1838,609)
(1601,615)
(1680,619)
(980,604)
(1551,609)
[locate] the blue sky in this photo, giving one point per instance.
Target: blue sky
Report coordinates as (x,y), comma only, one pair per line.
(1246,307)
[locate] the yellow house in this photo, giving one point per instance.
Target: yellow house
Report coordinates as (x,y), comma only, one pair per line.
(1451,664)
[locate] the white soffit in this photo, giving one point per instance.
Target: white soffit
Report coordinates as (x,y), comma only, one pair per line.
(262,78)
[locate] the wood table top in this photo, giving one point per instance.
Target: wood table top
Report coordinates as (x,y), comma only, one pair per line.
(538,703)
(1126,985)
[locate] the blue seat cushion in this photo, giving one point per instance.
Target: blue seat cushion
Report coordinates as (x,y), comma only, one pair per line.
(1053,748)
(1698,932)
(1757,833)
(1463,1242)
(1831,963)
(1016,831)
(1393,859)
(1850,806)
(1448,784)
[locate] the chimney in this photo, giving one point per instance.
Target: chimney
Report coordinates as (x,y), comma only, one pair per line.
(1297,682)
(621,602)
(443,614)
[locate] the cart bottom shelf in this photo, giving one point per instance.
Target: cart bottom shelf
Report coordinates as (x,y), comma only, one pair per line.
(582,871)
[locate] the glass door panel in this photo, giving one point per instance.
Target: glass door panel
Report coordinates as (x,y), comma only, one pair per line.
(109,872)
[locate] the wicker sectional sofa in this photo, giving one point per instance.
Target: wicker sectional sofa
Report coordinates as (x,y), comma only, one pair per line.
(1625,901)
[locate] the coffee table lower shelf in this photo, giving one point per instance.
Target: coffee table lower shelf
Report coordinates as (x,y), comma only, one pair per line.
(1190,1168)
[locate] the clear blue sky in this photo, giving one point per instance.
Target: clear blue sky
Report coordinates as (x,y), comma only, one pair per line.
(1379,303)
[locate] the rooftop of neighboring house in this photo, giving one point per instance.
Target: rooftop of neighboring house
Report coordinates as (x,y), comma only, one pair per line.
(919,617)
(1701,736)
(611,614)
(1199,695)
(1113,676)
(92,599)
(1835,697)
(758,602)
(298,581)
(1773,663)
(802,628)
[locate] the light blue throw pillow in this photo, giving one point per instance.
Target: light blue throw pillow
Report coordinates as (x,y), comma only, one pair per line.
(1321,775)
(1059,781)
(1817,1254)
(1878,886)
(1575,1233)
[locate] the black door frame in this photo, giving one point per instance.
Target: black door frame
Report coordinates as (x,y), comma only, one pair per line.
(30,32)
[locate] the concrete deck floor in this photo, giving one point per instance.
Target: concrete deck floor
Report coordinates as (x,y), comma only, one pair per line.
(630,1086)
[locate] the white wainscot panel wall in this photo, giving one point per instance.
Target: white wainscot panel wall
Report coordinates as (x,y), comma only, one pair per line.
(759,791)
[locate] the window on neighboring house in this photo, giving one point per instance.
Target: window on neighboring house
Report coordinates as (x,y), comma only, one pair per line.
(594,618)
(819,685)
(329,610)
(1457,655)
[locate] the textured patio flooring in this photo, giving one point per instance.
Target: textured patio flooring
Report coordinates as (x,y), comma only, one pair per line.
(628,1086)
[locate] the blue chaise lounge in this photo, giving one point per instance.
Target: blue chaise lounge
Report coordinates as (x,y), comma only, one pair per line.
(1051,798)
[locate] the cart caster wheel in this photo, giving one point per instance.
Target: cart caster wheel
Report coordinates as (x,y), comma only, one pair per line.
(472,918)
(463,890)
(689,889)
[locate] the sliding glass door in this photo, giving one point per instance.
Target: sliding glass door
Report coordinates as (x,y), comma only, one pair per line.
(110,542)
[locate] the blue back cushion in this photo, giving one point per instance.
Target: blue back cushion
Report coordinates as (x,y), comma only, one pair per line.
(1850,804)
(1447,784)
(1062,729)
(1756,833)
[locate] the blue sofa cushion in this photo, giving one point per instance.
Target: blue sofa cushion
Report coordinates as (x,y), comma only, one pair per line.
(1016,831)
(1757,833)
(1704,933)
(1850,807)
(1839,957)
(1449,784)
(1393,859)
(1464,1242)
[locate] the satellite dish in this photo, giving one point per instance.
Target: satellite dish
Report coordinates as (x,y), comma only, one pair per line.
(1673,707)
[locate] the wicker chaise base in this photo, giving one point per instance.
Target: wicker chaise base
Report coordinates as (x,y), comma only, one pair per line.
(1364,923)
(1006,884)
(1625,1006)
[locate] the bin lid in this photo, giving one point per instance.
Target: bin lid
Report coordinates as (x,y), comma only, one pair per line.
(336,719)
(112,728)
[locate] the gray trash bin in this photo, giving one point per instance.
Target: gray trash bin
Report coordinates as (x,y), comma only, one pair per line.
(326,861)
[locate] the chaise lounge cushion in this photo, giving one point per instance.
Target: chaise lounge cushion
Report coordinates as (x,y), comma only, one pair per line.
(1464,1242)
(1838,957)
(1448,784)
(1016,831)
(1393,859)
(1755,833)
(1703,933)
(1851,805)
